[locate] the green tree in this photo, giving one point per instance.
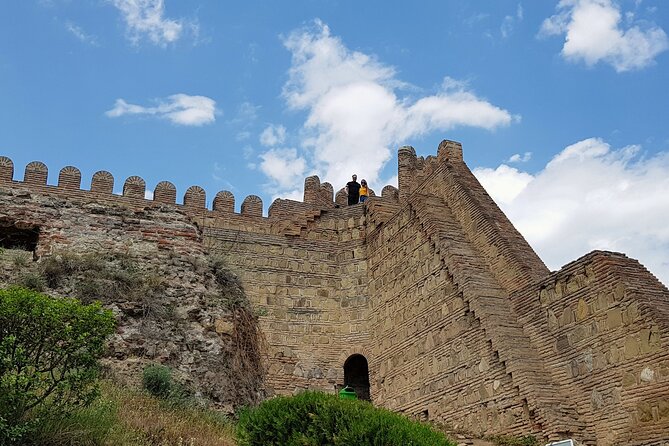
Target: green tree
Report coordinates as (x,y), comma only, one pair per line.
(49,352)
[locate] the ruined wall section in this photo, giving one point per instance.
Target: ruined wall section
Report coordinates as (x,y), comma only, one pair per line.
(310,286)
(430,356)
(180,321)
(602,326)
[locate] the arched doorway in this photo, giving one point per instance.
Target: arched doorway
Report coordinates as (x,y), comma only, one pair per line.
(356,375)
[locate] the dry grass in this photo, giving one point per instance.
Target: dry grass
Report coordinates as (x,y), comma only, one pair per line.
(144,420)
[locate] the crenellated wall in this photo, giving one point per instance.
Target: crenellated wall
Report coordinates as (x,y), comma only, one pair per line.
(458,318)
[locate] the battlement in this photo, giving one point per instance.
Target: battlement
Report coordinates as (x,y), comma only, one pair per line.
(412,170)
(134,192)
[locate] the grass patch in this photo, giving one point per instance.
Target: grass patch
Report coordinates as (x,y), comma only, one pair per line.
(161,424)
(122,417)
(21,259)
(32,281)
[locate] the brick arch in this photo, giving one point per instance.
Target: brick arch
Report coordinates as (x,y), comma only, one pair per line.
(134,187)
(36,173)
(224,202)
(69,177)
(6,169)
(165,192)
(195,197)
(252,206)
(102,182)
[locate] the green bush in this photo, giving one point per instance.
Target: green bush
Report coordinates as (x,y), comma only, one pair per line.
(157,380)
(49,351)
(313,418)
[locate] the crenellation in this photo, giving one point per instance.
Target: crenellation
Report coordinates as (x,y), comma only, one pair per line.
(195,197)
(6,169)
(36,174)
(341,199)
(326,194)
(69,178)
(449,151)
(165,193)
(312,186)
(390,193)
(134,187)
(224,202)
(102,182)
(459,320)
(252,206)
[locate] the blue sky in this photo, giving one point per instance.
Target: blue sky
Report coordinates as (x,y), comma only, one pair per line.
(561,106)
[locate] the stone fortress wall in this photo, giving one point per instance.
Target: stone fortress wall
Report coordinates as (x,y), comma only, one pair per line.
(459,320)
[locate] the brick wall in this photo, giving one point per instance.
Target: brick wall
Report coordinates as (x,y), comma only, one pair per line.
(459,319)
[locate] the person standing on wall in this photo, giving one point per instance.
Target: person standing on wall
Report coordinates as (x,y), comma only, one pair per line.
(364,190)
(353,190)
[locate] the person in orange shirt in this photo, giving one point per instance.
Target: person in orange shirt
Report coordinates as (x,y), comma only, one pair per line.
(364,191)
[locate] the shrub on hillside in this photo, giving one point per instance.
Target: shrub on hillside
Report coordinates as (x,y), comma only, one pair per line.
(157,380)
(49,351)
(313,418)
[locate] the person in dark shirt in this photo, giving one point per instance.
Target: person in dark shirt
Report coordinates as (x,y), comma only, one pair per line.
(353,191)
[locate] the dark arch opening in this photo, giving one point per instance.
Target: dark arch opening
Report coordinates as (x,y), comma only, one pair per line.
(18,235)
(356,376)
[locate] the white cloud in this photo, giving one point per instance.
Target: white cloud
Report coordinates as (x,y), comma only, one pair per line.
(594,33)
(80,34)
(284,167)
(180,109)
(273,135)
(509,22)
(355,111)
(145,18)
(588,197)
(506,182)
(518,158)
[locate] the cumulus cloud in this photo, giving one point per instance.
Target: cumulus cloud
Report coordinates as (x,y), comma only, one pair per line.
(594,33)
(590,196)
(273,135)
(180,109)
(518,158)
(284,167)
(358,109)
(146,19)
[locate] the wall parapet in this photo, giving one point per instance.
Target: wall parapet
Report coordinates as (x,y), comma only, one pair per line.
(317,195)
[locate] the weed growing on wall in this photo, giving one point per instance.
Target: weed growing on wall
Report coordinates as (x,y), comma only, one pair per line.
(248,340)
